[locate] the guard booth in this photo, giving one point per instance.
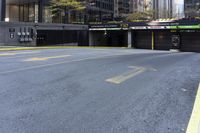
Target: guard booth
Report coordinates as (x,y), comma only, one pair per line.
(113,35)
(183,35)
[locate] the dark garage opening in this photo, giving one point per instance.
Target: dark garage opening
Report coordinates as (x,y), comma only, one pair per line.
(162,40)
(110,38)
(62,37)
(190,41)
(142,39)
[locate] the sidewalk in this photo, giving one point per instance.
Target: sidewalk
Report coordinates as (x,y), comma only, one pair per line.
(13,48)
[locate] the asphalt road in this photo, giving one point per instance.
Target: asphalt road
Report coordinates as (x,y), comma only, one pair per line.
(97,91)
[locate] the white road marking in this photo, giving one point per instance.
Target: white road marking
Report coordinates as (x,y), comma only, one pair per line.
(194,123)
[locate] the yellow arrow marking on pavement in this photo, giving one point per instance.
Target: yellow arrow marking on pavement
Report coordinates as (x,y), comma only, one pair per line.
(45,58)
(126,75)
(194,123)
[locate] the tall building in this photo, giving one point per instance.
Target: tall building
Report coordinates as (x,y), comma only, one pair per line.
(121,7)
(163,9)
(142,5)
(168,9)
(192,8)
(178,9)
(98,10)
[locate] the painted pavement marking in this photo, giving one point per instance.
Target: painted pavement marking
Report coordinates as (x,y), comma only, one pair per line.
(194,123)
(126,75)
(45,58)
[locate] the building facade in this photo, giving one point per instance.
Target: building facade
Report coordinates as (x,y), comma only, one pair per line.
(122,7)
(141,5)
(163,9)
(39,11)
(31,23)
(192,8)
(99,10)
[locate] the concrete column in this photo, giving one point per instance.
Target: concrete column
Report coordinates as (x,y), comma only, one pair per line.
(2,10)
(152,41)
(90,39)
(40,10)
(129,39)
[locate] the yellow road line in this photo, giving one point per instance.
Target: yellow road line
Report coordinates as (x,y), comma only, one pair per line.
(7,54)
(194,123)
(126,75)
(16,53)
(54,64)
(51,47)
(46,58)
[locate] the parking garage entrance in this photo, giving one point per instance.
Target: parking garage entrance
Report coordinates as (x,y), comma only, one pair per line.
(112,38)
(152,39)
(190,40)
(62,37)
(181,35)
(113,35)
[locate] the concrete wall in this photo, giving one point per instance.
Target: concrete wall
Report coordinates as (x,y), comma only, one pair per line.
(8,28)
(9,34)
(2,36)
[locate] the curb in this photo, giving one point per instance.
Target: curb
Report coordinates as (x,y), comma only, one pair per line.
(51,47)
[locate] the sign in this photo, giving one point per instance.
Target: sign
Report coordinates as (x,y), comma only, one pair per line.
(189,27)
(105,26)
(139,27)
(11,29)
(176,41)
(156,27)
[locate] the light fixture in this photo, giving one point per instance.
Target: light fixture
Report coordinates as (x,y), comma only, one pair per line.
(7,19)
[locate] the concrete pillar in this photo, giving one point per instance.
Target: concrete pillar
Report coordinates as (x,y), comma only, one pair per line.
(40,10)
(90,39)
(2,10)
(129,39)
(152,40)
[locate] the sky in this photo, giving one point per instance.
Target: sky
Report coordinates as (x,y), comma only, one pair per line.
(181,2)
(179,7)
